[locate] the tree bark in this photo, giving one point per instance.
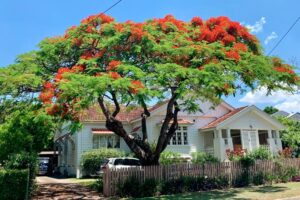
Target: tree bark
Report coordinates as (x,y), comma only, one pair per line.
(141,147)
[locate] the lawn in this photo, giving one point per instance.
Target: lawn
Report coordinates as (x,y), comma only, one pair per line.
(271,192)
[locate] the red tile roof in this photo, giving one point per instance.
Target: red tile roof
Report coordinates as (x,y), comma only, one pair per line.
(181,121)
(215,123)
(100,131)
(94,113)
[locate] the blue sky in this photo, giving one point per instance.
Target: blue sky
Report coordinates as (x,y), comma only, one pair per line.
(25,23)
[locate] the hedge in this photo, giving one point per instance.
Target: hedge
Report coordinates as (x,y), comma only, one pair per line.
(92,159)
(13,184)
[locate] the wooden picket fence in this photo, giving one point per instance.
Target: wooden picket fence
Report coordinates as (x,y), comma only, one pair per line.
(230,170)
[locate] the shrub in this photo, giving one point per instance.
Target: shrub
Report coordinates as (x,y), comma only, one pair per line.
(150,187)
(258,179)
(201,158)
(131,187)
(97,185)
(261,154)
(235,155)
(13,184)
(91,160)
(23,161)
(242,180)
(247,161)
(193,184)
(286,152)
(169,157)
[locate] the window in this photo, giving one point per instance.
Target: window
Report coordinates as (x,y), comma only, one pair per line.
(274,136)
(106,141)
(180,137)
(263,137)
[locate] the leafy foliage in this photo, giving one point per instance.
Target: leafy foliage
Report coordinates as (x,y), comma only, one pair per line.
(261,153)
(27,130)
(270,110)
(129,63)
(169,157)
(203,59)
(201,158)
(92,159)
(16,179)
(291,134)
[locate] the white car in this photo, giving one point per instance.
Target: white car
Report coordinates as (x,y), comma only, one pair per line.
(119,163)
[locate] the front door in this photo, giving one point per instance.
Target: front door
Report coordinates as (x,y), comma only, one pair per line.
(249,139)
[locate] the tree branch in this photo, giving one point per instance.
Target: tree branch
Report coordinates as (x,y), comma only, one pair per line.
(117,105)
(165,126)
(144,116)
(104,108)
(173,127)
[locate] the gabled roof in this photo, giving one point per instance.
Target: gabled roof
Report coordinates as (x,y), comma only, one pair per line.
(95,114)
(216,122)
(239,112)
(281,113)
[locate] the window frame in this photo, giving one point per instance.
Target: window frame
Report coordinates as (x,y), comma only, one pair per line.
(180,136)
(113,140)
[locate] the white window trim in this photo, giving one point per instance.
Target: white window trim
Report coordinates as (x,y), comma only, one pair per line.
(106,141)
(182,137)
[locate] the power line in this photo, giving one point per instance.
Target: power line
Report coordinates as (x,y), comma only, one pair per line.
(284,35)
(112,6)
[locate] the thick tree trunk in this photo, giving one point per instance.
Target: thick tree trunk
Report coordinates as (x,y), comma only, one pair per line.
(140,147)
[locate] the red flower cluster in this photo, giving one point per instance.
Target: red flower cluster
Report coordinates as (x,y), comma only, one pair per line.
(240,47)
(164,23)
(221,29)
(237,152)
(86,55)
(93,19)
(286,152)
(113,65)
(136,85)
(137,32)
(232,54)
(47,93)
(197,21)
(52,110)
(280,67)
(114,75)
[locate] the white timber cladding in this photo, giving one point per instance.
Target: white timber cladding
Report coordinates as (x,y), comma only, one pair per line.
(190,137)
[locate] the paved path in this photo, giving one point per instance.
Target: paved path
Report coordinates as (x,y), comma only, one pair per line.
(62,189)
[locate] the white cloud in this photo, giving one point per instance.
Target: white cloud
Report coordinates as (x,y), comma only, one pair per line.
(270,37)
(258,26)
(280,99)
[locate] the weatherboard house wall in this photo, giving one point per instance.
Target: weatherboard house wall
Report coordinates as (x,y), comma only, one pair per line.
(214,130)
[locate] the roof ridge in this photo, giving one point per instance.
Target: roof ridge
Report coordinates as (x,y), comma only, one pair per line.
(224,117)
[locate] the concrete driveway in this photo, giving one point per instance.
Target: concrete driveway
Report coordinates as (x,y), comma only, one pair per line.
(62,189)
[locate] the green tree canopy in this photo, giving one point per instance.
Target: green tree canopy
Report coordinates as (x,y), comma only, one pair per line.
(270,110)
(106,62)
(27,130)
(291,134)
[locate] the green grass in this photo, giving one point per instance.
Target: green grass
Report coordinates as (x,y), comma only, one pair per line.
(271,192)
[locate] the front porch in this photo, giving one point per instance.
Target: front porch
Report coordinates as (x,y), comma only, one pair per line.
(217,141)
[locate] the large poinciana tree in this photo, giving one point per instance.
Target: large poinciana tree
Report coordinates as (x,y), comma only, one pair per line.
(116,64)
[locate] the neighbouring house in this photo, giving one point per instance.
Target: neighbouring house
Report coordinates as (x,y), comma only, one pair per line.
(293,116)
(212,131)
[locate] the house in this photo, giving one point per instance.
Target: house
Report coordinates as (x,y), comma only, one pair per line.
(293,116)
(214,130)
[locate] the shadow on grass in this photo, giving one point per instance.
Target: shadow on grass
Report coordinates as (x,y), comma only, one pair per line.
(223,194)
(215,194)
(268,189)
